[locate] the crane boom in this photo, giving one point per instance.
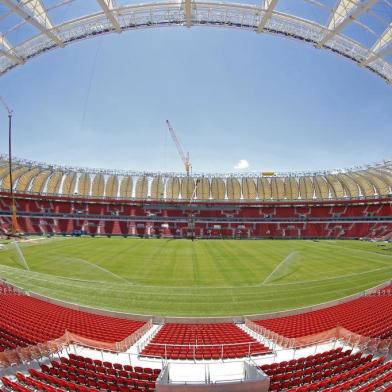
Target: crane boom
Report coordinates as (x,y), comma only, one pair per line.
(184,158)
(7,108)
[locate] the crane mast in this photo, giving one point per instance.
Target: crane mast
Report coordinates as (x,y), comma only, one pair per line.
(191,234)
(14,222)
(184,158)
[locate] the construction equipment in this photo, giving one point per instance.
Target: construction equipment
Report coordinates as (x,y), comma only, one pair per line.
(188,167)
(184,158)
(14,222)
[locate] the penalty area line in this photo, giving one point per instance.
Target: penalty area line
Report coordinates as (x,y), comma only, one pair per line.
(330,278)
(107,271)
(358,250)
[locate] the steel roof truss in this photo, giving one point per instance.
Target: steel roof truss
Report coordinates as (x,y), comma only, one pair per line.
(8,50)
(344,13)
(108,6)
(268,7)
(34,13)
(187,4)
(382,47)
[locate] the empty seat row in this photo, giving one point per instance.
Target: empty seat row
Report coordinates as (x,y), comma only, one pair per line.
(335,370)
(60,376)
(367,316)
(28,321)
(203,341)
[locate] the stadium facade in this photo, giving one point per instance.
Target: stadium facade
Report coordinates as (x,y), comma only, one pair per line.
(334,347)
(52,200)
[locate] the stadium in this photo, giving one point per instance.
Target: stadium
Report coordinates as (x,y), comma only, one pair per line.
(139,280)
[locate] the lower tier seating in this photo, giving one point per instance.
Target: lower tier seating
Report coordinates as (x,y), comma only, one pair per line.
(368,316)
(203,341)
(336,219)
(81,374)
(28,321)
(331,371)
(334,370)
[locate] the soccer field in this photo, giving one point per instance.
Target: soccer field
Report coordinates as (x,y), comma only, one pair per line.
(200,278)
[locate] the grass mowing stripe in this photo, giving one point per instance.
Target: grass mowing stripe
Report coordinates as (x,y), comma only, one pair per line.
(201,278)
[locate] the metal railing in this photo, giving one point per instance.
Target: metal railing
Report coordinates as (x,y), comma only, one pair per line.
(206,373)
(376,346)
(372,345)
(202,351)
(149,199)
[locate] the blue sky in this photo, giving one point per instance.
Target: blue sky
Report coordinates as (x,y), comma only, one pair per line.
(231,95)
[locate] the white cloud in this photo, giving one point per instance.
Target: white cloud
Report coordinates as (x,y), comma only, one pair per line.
(242,164)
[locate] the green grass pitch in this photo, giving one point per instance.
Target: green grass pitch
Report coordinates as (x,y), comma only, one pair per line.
(200,278)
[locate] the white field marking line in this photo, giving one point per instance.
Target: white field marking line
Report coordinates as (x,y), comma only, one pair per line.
(34,241)
(105,270)
(357,250)
(44,239)
(37,240)
(39,276)
(54,278)
(128,283)
(56,295)
(48,277)
(331,278)
(287,258)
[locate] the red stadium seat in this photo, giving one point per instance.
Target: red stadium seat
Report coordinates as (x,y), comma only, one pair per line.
(203,341)
(27,321)
(368,316)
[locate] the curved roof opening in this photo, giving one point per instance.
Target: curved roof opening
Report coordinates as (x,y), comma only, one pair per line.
(334,114)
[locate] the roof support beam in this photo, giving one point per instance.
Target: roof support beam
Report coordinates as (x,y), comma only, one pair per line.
(12,57)
(382,47)
(160,14)
(268,6)
(8,50)
(340,13)
(385,52)
(38,11)
(345,13)
(36,16)
(188,12)
(107,7)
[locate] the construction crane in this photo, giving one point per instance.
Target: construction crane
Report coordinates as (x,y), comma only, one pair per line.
(184,158)
(188,167)
(14,222)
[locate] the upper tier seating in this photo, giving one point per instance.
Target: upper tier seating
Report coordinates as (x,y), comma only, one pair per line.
(333,370)
(85,375)
(26,320)
(368,316)
(188,341)
(267,220)
(49,225)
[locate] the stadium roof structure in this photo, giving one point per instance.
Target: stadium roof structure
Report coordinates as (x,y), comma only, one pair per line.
(370,182)
(360,30)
